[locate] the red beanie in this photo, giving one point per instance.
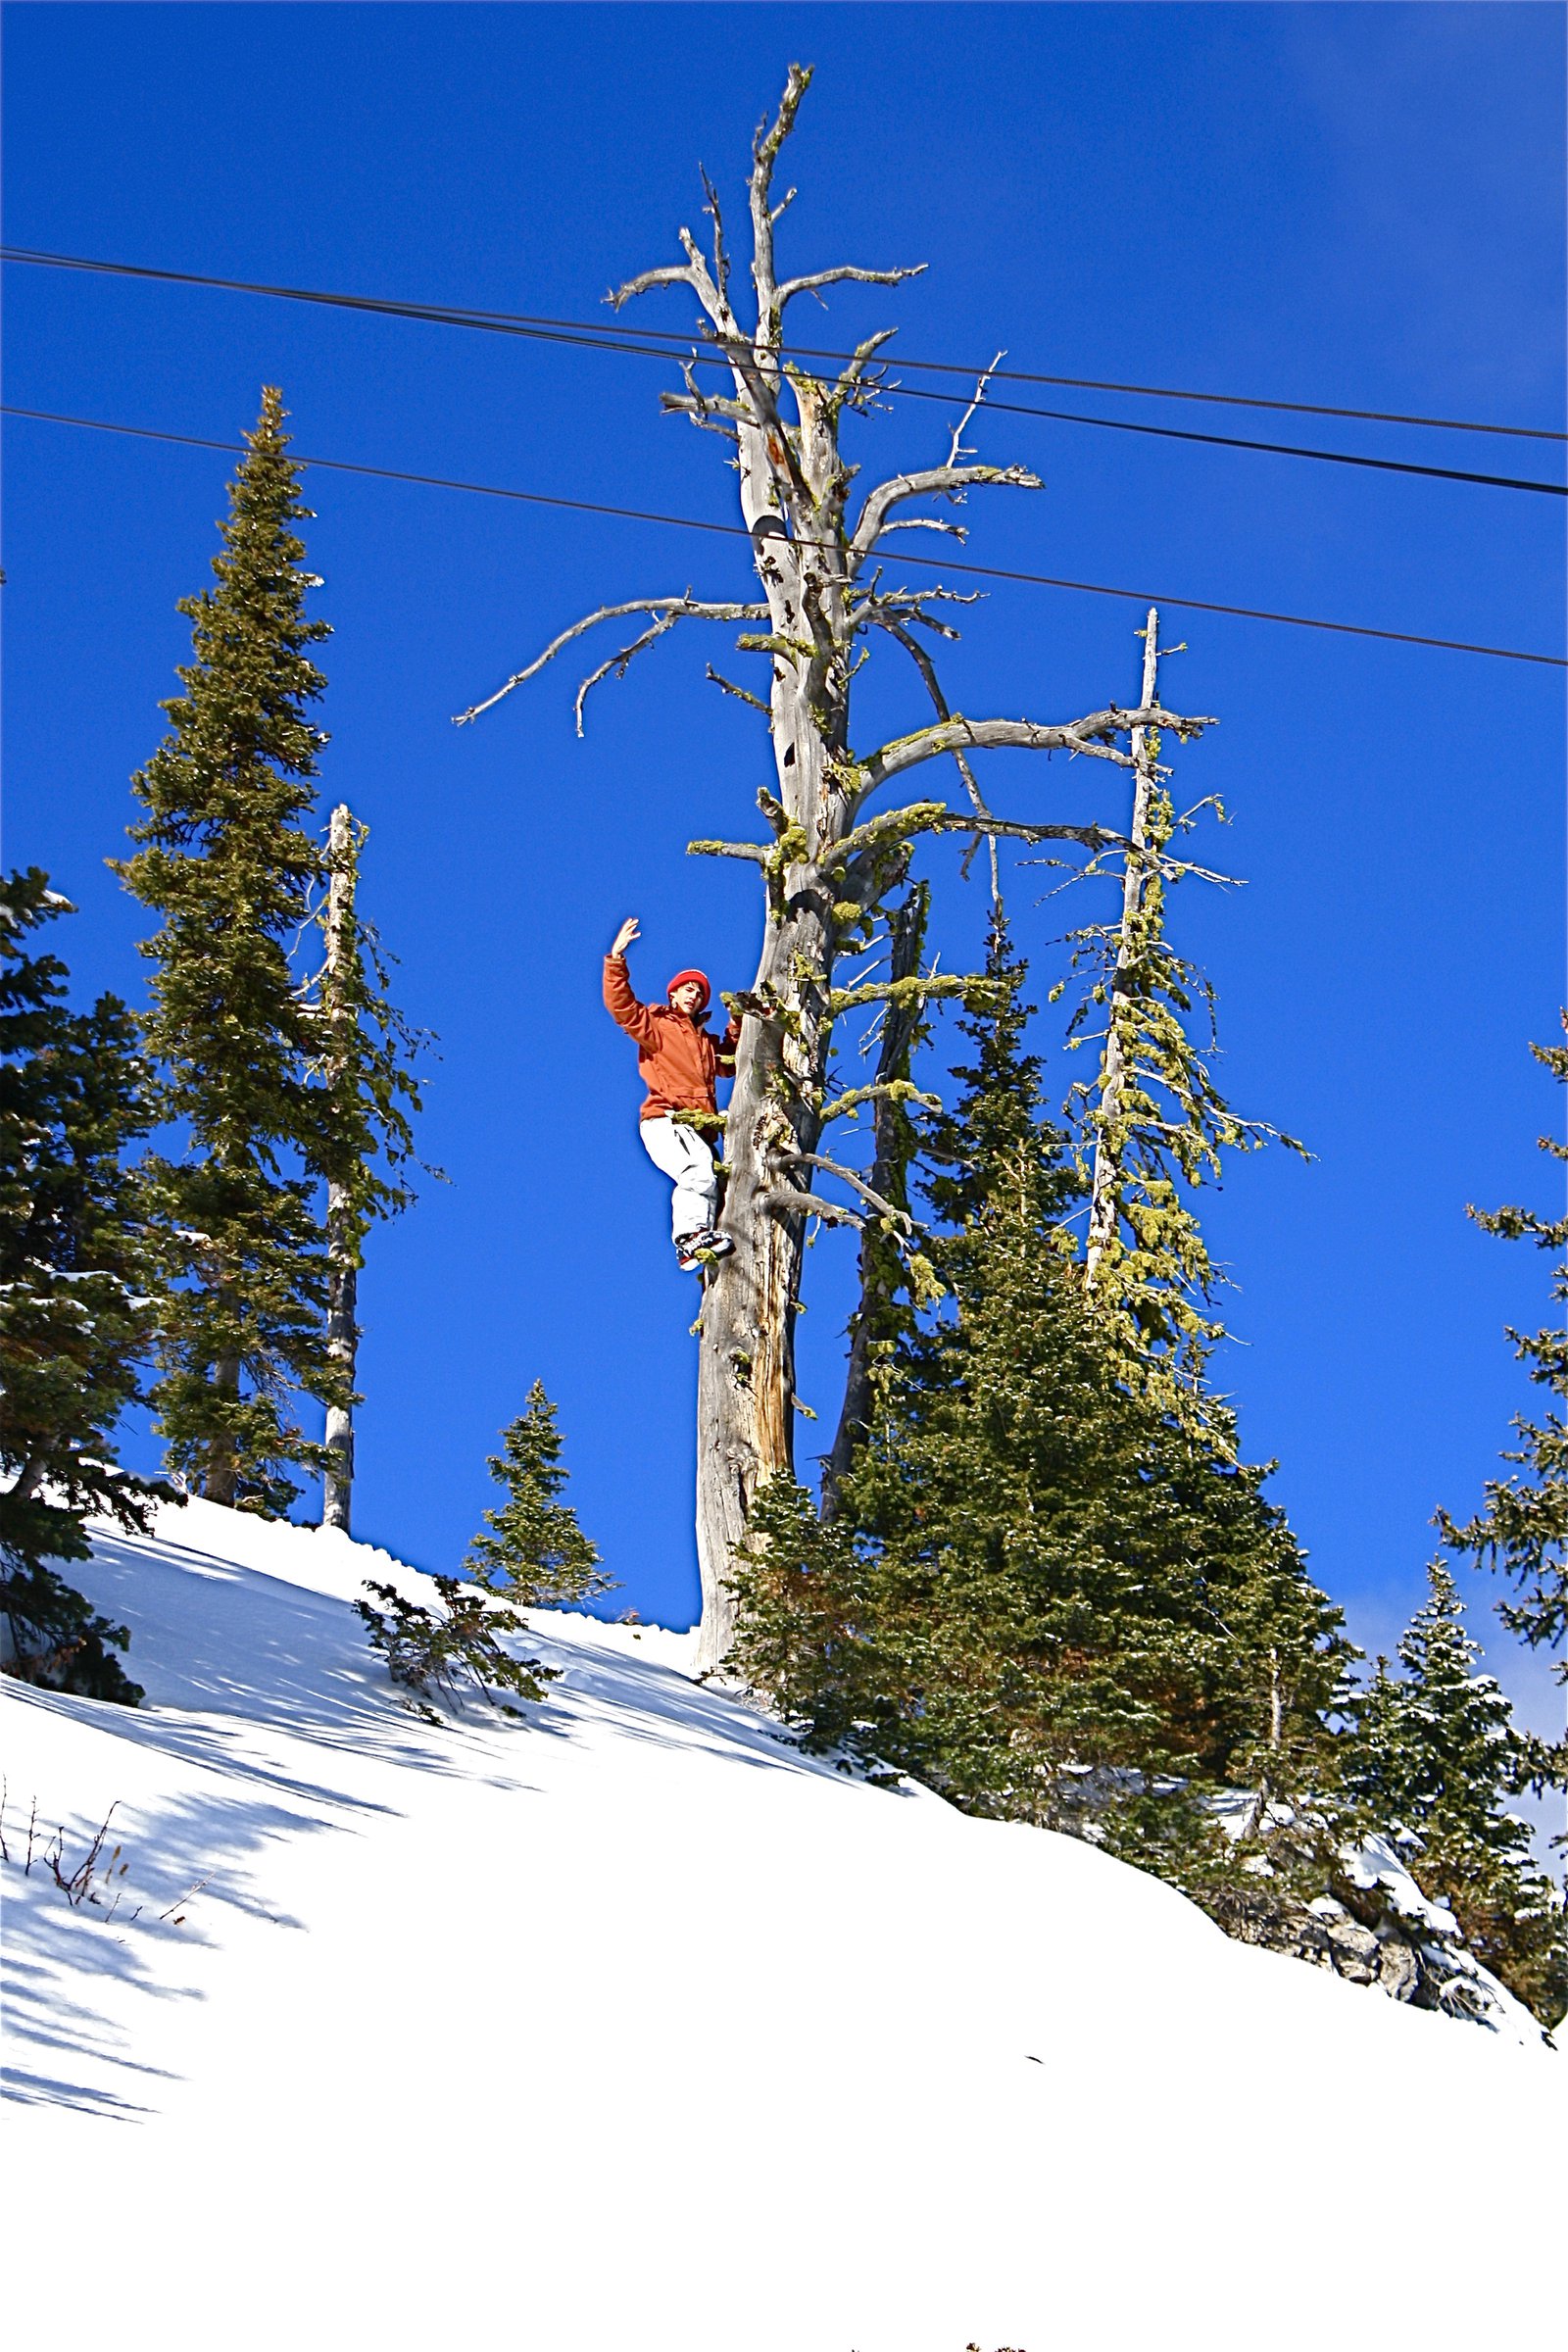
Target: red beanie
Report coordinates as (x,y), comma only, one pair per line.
(701,979)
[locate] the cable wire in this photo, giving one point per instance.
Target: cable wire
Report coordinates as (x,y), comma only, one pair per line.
(651,343)
(465,314)
(737,531)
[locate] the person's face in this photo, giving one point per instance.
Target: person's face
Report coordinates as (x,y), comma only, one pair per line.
(688,999)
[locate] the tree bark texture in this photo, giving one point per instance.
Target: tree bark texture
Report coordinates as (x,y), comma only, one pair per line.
(1105,1202)
(342,1234)
(221,1482)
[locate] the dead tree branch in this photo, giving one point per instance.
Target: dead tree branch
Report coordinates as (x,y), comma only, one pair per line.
(935,816)
(845,274)
(758,853)
(931,482)
(956,451)
(785,1201)
(903,991)
(895,1090)
(739,692)
(856,1184)
(1092,737)
(676,607)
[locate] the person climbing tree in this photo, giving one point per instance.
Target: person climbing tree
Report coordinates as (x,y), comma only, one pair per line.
(679,1062)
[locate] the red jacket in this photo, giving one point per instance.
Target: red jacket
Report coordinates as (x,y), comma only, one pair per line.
(676,1057)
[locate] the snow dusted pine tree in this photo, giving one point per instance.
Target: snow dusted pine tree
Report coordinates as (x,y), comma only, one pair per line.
(225,860)
(1433,1759)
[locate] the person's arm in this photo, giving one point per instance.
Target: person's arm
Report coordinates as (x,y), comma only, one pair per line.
(724,1046)
(620,998)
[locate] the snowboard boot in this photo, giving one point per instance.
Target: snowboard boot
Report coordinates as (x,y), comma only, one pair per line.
(703,1249)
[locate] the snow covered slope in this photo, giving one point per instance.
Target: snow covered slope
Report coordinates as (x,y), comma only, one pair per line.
(630,2028)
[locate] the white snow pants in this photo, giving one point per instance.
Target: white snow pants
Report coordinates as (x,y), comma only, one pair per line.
(685,1156)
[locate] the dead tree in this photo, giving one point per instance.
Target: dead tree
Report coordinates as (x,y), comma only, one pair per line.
(821,554)
(1104,1200)
(1155,1117)
(368,1098)
(344,1225)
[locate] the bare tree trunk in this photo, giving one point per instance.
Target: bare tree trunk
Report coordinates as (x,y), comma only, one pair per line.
(342,1346)
(28,1478)
(342,1238)
(746,1373)
(221,1482)
(1104,1200)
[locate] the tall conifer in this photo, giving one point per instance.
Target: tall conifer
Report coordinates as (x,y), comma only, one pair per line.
(227,860)
(1036,1572)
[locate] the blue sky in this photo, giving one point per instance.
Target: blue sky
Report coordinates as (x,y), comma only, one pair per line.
(1353,205)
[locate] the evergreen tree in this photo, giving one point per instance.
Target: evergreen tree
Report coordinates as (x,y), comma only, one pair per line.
(1038,1580)
(1522,1530)
(895,1277)
(536,1555)
(1434,1757)
(226,860)
(74,1266)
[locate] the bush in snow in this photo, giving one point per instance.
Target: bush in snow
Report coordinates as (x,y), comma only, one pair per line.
(445,1654)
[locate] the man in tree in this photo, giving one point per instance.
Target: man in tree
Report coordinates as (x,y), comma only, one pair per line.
(680,1064)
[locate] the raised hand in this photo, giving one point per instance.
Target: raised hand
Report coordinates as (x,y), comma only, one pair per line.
(624,936)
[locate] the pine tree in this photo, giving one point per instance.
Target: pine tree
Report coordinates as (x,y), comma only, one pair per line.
(226,860)
(371,1098)
(1037,1575)
(536,1555)
(74,1261)
(997,1140)
(1434,1758)
(896,1279)
(1522,1530)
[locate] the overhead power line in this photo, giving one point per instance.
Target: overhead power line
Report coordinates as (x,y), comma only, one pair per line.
(653,343)
(736,530)
(468,315)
